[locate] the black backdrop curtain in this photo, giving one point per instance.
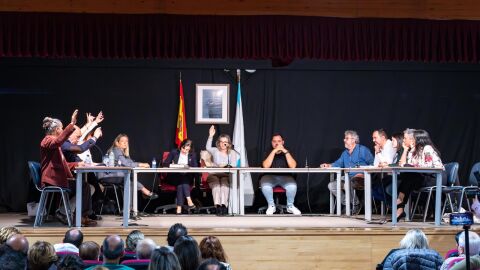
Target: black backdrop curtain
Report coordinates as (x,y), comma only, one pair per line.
(312,103)
(280,38)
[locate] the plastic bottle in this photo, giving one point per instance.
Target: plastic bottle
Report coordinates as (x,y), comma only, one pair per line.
(111,159)
(106,160)
(154,163)
(88,160)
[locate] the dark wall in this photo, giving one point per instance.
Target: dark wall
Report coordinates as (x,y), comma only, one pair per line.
(312,103)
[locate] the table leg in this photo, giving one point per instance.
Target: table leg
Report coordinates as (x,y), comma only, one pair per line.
(332,208)
(394,197)
(126,198)
(135,194)
(368,196)
(241,192)
(78,200)
(233,204)
(347,195)
(339,193)
(438,200)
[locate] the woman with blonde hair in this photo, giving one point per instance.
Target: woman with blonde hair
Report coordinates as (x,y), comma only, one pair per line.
(41,256)
(223,156)
(121,151)
(211,248)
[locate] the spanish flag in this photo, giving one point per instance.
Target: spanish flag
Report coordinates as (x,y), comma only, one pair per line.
(181,131)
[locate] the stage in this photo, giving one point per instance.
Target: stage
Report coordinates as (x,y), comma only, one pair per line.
(267,242)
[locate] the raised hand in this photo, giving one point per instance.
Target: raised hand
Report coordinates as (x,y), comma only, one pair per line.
(99,117)
(90,118)
(74,117)
(211,131)
(98,133)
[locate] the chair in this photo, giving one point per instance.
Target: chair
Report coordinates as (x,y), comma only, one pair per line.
(137,264)
(34,169)
(280,207)
(129,255)
(205,188)
(109,186)
(166,188)
(472,189)
(452,178)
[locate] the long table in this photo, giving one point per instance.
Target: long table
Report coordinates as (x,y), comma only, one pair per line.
(395,171)
(97,169)
(233,205)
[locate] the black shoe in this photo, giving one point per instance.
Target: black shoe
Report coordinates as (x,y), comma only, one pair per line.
(218,210)
(152,196)
(95,217)
(61,217)
(224,210)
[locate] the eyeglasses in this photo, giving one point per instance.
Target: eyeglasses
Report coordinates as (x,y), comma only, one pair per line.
(224,141)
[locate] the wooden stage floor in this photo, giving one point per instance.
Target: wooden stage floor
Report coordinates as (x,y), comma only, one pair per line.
(267,242)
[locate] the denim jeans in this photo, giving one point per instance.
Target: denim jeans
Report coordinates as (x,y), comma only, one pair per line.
(268,182)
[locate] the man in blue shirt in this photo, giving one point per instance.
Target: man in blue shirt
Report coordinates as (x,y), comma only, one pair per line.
(355,155)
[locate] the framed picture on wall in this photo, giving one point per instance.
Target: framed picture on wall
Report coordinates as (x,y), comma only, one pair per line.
(212,104)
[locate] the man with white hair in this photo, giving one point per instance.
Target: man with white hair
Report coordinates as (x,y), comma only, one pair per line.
(145,248)
(474,249)
(354,155)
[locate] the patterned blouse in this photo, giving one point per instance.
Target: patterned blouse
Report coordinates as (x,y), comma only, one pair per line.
(428,158)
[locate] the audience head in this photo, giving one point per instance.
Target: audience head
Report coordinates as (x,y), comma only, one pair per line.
(188,254)
(187,146)
(70,262)
(473,243)
(11,259)
(41,255)
(6,232)
(457,236)
(133,238)
(351,139)
(89,250)
(421,139)
(18,242)
(74,237)
(164,259)
(397,141)
(113,249)
(121,141)
(408,138)
(379,137)
(210,247)
(145,248)
(277,139)
(52,126)
(224,143)
(211,264)
(175,231)
(414,239)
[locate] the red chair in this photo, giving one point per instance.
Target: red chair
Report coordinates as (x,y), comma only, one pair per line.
(137,264)
(281,208)
(165,187)
(205,189)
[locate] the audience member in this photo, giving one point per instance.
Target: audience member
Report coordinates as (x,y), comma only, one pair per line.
(113,249)
(89,250)
(188,254)
(13,253)
(6,232)
(211,264)
(211,248)
(71,241)
(70,262)
(145,248)
(132,240)
(41,256)
(176,231)
(164,259)
(474,249)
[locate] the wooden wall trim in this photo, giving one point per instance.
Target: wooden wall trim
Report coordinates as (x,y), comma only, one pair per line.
(420,9)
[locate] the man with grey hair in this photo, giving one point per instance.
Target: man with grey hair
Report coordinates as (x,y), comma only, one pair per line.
(145,248)
(354,155)
(474,249)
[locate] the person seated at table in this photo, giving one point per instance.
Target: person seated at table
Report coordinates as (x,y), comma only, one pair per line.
(223,156)
(121,152)
(185,155)
(354,155)
(418,151)
(56,171)
(279,157)
(384,151)
(73,149)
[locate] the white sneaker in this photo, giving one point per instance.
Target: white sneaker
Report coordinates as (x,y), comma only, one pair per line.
(271,210)
(293,210)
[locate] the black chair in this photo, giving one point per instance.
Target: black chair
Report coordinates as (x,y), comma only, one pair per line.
(472,189)
(34,169)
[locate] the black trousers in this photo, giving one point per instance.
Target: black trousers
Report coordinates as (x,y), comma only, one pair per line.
(183,182)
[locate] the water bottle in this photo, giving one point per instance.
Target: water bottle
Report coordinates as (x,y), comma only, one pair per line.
(88,160)
(106,160)
(111,159)
(154,163)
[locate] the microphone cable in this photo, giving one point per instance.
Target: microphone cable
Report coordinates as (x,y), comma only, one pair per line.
(153,187)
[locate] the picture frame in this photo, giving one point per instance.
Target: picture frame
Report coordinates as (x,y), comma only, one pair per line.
(212,103)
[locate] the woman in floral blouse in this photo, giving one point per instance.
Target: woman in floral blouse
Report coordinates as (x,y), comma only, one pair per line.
(419,151)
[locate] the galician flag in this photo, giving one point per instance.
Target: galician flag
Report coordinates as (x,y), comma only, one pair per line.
(239,143)
(181,131)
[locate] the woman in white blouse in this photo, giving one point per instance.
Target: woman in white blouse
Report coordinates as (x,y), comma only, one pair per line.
(223,155)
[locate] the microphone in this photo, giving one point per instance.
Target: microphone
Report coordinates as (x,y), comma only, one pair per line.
(306,161)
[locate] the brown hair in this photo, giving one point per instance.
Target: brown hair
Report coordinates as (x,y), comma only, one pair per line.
(89,250)
(7,232)
(210,247)
(41,255)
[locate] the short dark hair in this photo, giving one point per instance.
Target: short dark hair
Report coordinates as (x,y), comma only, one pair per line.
(205,265)
(70,262)
(381,132)
(74,237)
(115,253)
(188,253)
(164,258)
(277,134)
(11,259)
(187,141)
(89,250)
(175,231)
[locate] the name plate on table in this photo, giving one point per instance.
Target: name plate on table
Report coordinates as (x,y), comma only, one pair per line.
(178,166)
